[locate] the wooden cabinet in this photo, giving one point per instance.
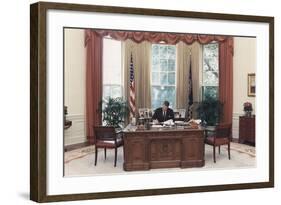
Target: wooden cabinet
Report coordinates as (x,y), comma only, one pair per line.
(150,149)
(247,129)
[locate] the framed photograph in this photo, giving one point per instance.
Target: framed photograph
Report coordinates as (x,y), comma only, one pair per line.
(144,112)
(179,113)
(251,84)
(83,146)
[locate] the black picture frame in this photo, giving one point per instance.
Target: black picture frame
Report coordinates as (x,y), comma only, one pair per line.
(38,100)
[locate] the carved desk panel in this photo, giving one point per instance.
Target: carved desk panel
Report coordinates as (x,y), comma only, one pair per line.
(148,149)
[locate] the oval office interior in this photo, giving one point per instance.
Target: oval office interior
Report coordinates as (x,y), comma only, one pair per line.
(166,100)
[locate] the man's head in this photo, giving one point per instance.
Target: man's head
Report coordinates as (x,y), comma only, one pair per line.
(165,105)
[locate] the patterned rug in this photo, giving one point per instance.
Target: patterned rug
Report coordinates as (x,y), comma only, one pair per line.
(242,148)
(82,152)
(78,153)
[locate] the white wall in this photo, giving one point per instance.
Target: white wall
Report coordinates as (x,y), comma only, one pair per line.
(74,85)
(244,62)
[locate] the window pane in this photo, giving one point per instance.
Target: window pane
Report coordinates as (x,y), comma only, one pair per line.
(210,92)
(163,65)
(171,78)
(116,91)
(112,69)
(106,91)
(171,52)
(171,64)
(210,76)
(156,93)
(163,52)
(112,61)
(155,78)
(155,63)
(162,93)
(163,78)
(113,91)
(155,50)
(210,64)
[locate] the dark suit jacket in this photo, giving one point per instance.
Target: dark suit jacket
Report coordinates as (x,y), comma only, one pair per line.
(158,114)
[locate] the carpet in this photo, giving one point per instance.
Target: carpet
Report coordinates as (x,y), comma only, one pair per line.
(242,148)
(80,162)
(78,153)
(82,152)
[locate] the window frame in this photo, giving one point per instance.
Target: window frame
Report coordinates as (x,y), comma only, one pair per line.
(167,72)
(204,86)
(121,73)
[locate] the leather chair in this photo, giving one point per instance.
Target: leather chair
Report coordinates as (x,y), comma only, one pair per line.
(221,136)
(107,138)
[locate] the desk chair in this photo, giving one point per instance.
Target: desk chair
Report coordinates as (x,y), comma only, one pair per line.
(221,136)
(107,138)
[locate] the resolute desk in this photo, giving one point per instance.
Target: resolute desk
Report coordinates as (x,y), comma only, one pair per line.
(163,148)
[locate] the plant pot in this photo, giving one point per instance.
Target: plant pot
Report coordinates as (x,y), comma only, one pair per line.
(248,113)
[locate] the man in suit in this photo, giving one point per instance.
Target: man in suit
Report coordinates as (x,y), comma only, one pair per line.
(163,113)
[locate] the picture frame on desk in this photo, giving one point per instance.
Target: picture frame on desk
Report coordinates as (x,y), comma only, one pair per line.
(145,112)
(47,22)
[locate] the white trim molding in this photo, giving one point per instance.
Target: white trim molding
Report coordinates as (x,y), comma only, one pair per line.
(76,133)
(235,125)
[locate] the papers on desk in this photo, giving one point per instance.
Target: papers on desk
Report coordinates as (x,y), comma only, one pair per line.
(192,121)
(156,126)
(169,122)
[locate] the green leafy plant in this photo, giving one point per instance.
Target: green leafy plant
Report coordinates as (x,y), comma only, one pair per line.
(114,111)
(210,111)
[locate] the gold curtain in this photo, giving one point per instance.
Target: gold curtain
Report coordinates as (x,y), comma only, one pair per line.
(196,59)
(185,53)
(142,66)
(183,62)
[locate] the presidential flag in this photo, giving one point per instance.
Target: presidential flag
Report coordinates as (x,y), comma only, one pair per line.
(132,99)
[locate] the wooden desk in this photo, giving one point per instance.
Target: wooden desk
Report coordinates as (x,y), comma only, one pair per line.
(154,148)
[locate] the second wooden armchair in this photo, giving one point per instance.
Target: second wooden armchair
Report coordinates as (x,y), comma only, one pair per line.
(221,136)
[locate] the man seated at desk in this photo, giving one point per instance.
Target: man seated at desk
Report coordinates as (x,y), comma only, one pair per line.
(163,113)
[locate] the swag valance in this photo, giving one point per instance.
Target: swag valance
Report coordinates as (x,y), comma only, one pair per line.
(156,37)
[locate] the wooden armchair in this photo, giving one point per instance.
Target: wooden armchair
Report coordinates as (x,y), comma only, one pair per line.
(221,136)
(107,138)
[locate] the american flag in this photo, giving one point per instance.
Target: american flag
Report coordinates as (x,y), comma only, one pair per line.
(132,99)
(190,94)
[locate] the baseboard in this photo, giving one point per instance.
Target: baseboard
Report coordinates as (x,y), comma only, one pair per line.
(75,146)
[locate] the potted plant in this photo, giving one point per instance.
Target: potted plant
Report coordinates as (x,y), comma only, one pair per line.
(114,111)
(210,111)
(248,108)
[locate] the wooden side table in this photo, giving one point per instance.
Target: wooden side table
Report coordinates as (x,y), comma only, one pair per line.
(247,129)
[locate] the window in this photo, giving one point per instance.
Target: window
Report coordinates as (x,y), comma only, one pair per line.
(163,85)
(112,68)
(210,75)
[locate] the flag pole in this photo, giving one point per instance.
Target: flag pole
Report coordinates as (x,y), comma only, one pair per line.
(190,89)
